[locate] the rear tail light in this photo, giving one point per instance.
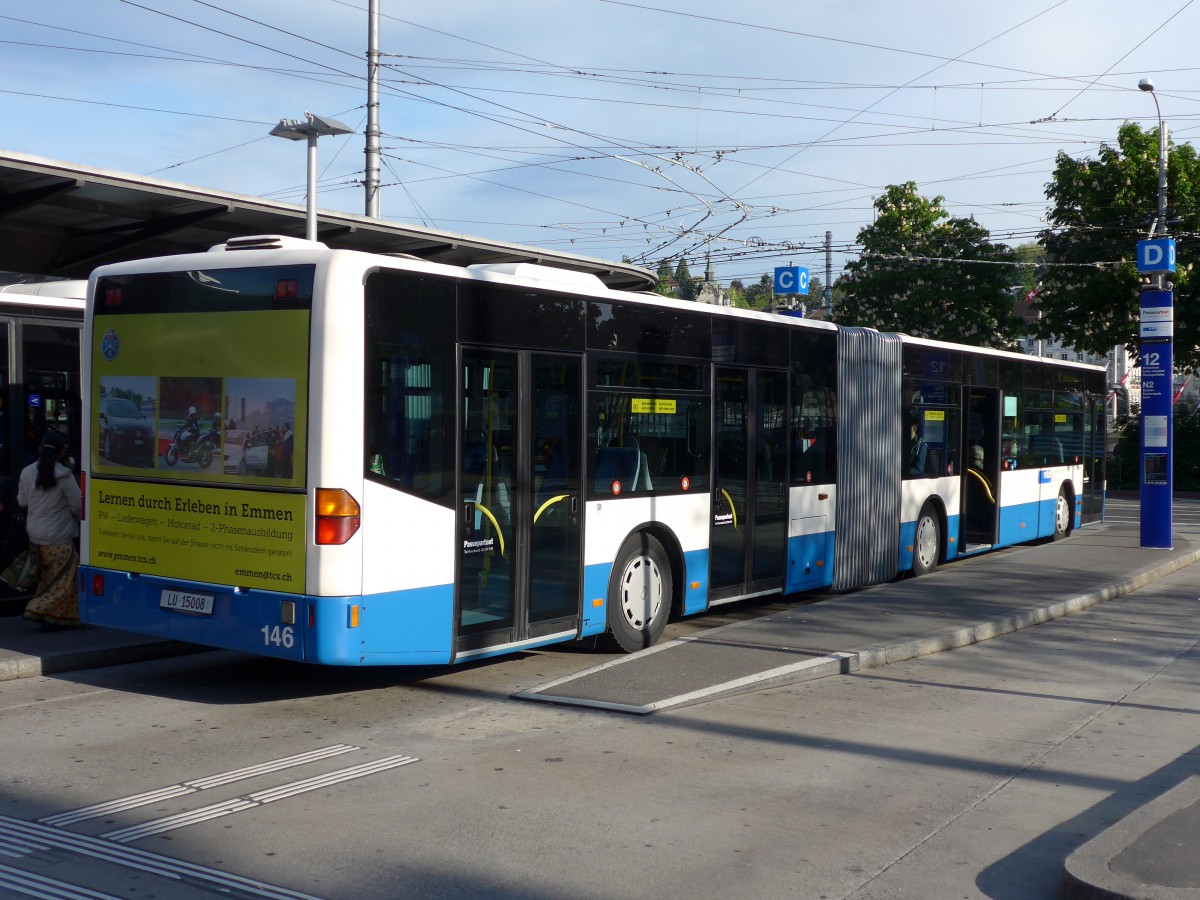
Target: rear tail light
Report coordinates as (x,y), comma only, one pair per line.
(97,585)
(338,516)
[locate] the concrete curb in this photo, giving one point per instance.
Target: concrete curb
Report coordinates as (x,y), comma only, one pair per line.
(1099,870)
(950,638)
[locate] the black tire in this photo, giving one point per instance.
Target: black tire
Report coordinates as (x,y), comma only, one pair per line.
(927,542)
(172,455)
(1064,515)
(204,456)
(639,594)
(106,449)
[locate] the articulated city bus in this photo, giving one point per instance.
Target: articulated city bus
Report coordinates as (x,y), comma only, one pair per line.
(414,463)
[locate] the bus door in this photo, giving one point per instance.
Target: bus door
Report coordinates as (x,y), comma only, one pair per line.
(980,495)
(1095,435)
(39,371)
(13,437)
(748,543)
(520,498)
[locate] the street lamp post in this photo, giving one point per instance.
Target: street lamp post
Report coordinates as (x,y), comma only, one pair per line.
(311,129)
(1156,257)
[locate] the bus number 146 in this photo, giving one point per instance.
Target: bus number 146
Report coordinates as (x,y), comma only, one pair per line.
(278,637)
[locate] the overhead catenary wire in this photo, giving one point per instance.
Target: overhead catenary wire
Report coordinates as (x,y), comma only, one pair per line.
(588,157)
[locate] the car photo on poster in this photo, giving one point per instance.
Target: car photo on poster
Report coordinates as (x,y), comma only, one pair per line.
(126,435)
(246,452)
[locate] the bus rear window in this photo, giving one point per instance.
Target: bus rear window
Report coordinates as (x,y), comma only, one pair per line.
(207,290)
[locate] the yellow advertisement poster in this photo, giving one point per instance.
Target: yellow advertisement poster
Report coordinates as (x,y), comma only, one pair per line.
(209,534)
(216,396)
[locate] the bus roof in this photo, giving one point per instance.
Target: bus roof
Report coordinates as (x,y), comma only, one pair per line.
(48,294)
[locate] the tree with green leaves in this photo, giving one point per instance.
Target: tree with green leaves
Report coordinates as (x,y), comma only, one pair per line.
(1030,257)
(1089,290)
(929,275)
(758,296)
(685,284)
(666,279)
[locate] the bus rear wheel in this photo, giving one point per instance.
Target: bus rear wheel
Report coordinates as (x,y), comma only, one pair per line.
(639,594)
(927,542)
(1062,515)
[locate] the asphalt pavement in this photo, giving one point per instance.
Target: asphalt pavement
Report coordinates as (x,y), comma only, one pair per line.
(1151,853)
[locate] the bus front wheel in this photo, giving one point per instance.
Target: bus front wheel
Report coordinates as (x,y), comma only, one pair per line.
(639,594)
(927,543)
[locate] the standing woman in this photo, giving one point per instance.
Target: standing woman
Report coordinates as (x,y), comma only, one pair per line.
(49,492)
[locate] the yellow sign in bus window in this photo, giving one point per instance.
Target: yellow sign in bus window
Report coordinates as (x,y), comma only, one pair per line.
(935,415)
(647,405)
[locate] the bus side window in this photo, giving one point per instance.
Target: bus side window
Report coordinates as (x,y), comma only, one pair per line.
(409,332)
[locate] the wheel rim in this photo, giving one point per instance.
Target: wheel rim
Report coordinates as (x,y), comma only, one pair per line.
(927,541)
(641,592)
(1062,515)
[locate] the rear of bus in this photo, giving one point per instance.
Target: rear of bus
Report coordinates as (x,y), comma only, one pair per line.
(217,547)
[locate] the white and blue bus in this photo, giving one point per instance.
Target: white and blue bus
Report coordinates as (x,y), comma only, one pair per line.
(415,463)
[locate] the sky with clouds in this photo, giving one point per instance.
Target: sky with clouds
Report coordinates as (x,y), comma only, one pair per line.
(645,129)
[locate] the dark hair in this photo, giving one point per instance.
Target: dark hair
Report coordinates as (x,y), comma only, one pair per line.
(52,445)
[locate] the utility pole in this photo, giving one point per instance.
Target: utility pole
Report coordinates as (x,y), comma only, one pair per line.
(828,274)
(371,181)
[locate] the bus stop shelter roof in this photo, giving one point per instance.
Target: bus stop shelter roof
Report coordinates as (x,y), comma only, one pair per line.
(63,219)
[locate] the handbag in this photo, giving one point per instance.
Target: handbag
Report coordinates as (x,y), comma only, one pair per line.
(16,538)
(22,573)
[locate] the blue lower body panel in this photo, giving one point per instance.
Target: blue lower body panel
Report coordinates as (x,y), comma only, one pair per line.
(1019,523)
(810,562)
(908,536)
(695,583)
(595,598)
(411,627)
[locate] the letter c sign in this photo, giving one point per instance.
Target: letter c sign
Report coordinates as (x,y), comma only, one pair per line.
(791,280)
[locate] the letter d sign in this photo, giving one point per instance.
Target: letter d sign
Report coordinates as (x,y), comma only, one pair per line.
(1156,256)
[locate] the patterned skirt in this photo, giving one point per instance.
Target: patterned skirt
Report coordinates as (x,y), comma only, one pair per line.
(57,599)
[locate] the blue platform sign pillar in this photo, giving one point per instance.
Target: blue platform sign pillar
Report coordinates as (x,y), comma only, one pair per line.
(1156,337)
